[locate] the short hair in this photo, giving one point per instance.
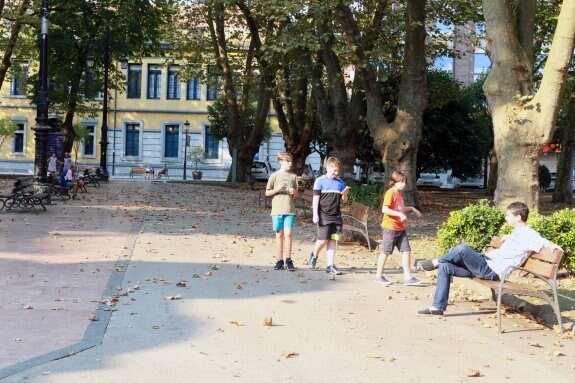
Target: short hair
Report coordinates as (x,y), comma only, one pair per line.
(519,208)
(285,156)
(396,177)
(332,161)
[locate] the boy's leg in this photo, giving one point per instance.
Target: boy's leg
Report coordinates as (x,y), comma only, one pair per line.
(466,258)
(288,225)
(381,264)
(280,245)
(330,252)
(277,226)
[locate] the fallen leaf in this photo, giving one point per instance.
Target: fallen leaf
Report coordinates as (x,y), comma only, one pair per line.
(472,373)
(289,354)
(237,323)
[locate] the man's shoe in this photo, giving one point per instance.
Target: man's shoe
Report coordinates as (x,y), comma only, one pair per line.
(331,269)
(312,261)
(279,265)
(413,282)
(382,281)
(426,265)
(431,311)
(289,265)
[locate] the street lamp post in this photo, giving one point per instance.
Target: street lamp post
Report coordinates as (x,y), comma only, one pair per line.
(108,46)
(104,129)
(186,144)
(42,128)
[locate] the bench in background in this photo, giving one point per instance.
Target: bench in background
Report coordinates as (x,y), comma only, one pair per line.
(355,220)
(138,170)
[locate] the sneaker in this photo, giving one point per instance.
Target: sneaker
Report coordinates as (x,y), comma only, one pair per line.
(289,265)
(382,281)
(279,265)
(431,311)
(331,269)
(412,282)
(426,265)
(312,261)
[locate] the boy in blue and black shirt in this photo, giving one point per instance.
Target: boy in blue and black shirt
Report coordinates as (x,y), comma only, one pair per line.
(328,193)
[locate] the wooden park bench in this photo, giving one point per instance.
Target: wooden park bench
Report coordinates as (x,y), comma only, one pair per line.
(355,220)
(542,266)
(138,170)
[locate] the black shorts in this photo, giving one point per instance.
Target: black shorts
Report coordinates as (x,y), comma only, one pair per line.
(325,231)
(392,239)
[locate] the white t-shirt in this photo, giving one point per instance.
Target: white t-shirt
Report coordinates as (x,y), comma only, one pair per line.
(515,249)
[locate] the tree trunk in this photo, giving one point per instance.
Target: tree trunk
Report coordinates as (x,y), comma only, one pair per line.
(521,123)
(245,144)
(398,141)
(563,191)
(492,176)
(332,102)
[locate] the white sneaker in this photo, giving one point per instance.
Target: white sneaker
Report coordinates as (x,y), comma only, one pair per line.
(413,282)
(382,281)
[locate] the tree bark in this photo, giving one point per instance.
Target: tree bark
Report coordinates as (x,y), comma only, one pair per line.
(563,191)
(522,123)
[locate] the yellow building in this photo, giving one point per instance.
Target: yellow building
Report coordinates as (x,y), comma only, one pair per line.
(146,124)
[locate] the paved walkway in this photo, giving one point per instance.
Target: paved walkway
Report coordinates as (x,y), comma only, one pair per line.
(171,282)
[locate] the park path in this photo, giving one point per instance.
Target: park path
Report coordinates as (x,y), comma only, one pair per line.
(172,282)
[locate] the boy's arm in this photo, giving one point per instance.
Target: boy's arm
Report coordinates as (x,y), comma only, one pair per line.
(344,194)
(315,207)
(386,210)
(414,210)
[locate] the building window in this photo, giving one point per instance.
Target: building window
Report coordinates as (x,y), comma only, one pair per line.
(154,81)
(212,83)
(19,79)
(193,89)
(174,85)
(171,141)
(132,141)
(19,139)
(134,81)
(212,145)
(89,142)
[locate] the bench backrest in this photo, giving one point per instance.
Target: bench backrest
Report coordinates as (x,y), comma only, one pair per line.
(546,262)
(359,211)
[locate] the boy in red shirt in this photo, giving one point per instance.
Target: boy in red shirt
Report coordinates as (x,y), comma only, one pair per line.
(393,230)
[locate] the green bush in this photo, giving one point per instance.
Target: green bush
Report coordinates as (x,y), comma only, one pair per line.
(473,225)
(370,195)
(477,223)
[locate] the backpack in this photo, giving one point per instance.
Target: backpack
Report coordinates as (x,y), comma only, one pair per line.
(63,179)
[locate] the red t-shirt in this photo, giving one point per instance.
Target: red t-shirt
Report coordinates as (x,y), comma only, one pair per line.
(394,200)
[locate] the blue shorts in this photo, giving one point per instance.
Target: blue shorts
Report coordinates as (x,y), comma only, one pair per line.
(283,221)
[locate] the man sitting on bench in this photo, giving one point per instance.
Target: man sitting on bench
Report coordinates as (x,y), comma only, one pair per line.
(70,182)
(463,261)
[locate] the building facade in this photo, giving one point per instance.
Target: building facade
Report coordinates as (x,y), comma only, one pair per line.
(146,124)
